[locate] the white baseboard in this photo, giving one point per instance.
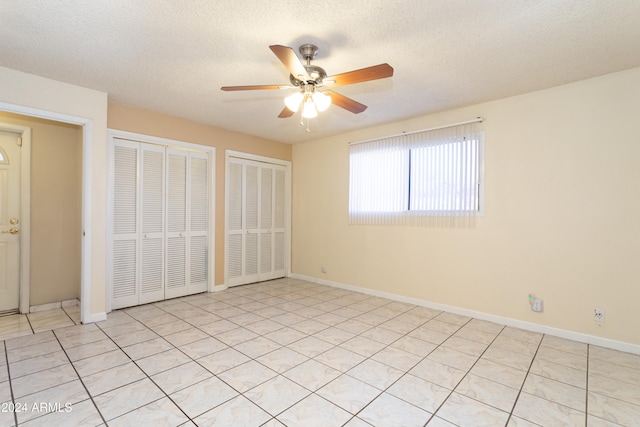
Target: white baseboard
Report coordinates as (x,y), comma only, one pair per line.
(529,326)
(53,305)
(96,317)
(44,307)
(218,288)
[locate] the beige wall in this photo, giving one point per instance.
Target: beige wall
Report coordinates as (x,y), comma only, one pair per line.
(38,96)
(561,220)
(56,208)
(131,119)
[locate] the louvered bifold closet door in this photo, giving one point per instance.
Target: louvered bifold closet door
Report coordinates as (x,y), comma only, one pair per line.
(152,202)
(256,221)
(198,222)
(187,222)
(266,222)
(124,258)
(176,265)
(235,223)
(251,220)
(279,222)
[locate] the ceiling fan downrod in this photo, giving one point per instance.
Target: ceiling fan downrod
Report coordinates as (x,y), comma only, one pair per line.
(308,52)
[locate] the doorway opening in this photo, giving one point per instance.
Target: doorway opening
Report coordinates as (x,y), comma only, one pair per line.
(81,240)
(49,218)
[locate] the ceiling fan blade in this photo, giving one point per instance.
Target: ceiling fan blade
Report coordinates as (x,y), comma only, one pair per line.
(347,103)
(285,113)
(257,87)
(375,72)
(288,57)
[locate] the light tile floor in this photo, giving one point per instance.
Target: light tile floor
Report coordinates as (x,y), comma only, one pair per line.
(294,353)
(18,325)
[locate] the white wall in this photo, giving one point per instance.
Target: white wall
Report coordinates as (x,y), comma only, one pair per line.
(33,95)
(562,214)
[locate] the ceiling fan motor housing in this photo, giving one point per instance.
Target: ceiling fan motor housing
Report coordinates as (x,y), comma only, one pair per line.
(316,73)
(308,52)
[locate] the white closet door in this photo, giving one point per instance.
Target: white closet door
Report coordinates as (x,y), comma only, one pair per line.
(199,222)
(279,222)
(176,250)
(251,215)
(124,270)
(161,214)
(266,222)
(152,203)
(235,223)
(255,221)
(187,222)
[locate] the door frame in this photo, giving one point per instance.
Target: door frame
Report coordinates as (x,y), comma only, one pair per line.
(24,282)
(87,176)
(287,206)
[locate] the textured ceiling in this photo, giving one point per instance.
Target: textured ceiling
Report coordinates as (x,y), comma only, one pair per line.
(173,56)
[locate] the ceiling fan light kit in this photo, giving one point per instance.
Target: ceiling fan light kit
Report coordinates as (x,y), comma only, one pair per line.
(293,101)
(312,101)
(312,83)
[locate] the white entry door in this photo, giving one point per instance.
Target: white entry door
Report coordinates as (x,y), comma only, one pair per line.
(9,221)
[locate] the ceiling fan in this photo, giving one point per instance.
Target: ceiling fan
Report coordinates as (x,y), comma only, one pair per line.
(313,84)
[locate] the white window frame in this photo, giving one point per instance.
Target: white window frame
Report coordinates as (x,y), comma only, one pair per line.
(391,177)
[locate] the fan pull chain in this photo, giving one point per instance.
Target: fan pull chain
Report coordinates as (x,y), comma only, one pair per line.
(308,129)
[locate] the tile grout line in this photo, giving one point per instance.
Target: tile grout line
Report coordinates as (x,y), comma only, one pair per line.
(309,358)
(204,367)
(352,416)
(314,392)
(195,360)
(278,374)
(274,417)
(153,305)
(145,373)
(69,316)
(386,346)
(463,377)
(515,402)
(79,377)
(33,331)
(379,325)
(13,399)
(586,372)
(586,390)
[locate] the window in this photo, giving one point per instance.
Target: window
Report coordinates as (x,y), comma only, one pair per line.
(421,178)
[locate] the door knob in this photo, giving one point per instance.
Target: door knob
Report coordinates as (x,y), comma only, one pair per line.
(12,231)
(14,221)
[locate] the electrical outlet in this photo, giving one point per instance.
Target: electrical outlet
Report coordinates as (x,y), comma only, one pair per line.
(323,269)
(598,315)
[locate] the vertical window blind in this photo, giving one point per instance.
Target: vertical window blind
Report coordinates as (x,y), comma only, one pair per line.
(429,178)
